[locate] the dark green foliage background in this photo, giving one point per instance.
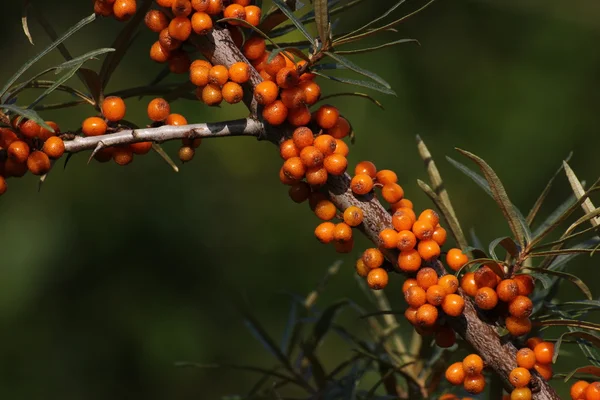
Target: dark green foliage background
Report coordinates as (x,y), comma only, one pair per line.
(109,275)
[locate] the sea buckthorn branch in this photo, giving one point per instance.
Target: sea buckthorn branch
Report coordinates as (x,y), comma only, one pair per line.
(241,127)
(219,48)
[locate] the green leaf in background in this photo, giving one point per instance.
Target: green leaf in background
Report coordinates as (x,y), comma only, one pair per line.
(590,337)
(350,65)
(353,94)
(361,83)
(322,20)
(569,322)
(571,278)
(375,48)
(66,76)
(589,370)
(290,14)
(28,114)
(48,49)
(577,187)
(370,23)
(507,243)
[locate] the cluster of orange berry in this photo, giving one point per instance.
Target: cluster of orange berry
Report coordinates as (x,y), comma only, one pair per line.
(583,390)
(469,373)
(27,146)
(122,10)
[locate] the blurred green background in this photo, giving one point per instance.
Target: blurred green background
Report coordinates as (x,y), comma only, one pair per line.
(110,275)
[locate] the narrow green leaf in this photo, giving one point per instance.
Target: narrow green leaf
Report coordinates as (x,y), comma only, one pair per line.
(93,83)
(569,322)
(555,215)
(577,187)
(354,82)
(374,21)
(322,21)
(24,22)
(558,263)
(590,337)
(572,250)
(48,49)
(276,17)
(26,113)
(356,94)
(74,62)
(589,370)
(544,279)
(375,48)
(499,194)
(66,76)
(540,200)
(571,278)
(581,303)
(507,243)
(325,321)
(350,65)
(290,14)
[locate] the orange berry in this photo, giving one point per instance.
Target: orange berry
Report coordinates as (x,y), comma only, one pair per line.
(409,260)
(113,108)
(406,240)
(386,177)
(253,14)
(408,283)
(158,109)
(544,352)
(340,129)
(199,5)
(519,377)
(324,232)
(392,192)
(449,283)
(181,8)
(299,192)
(312,94)
(445,337)
(335,164)
(468,284)
(141,147)
(449,396)
(486,277)
(199,75)
(202,23)
(54,147)
(38,163)
(234,11)
(455,374)
(218,75)
(377,278)
(326,144)
(474,384)
(275,113)
(288,149)
(294,169)
(211,94)
(299,116)
(435,295)
(456,259)
(254,48)
(316,176)
(102,8)
(411,315)
(520,307)
(93,126)
(545,370)
(276,63)
(518,326)
(373,258)
(266,92)
(486,298)
(232,92)
(239,72)
(168,42)
(427,277)
(311,157)
(521,394)
(176,120)
(361,268)
(286,180)
(156,20)
(18,151)
(327,116)
(122,155)
(293,97)
(473,364)
(507,290)
(430,216)
(453,305)
(533,341)
(388,238)
(343,233)
(341,148)
(353,216)
(180,28)
(30,129)
(526,358)
(427,316)
(428,249)
(14,169)
(367,168)
(415,296)
(325,210)
(214,7)
(287,78)
(439,235)
(578,390)
(361,184)
(404,203)
(124,9)
(302,137)
(422,229)
(158,53)
(526,284)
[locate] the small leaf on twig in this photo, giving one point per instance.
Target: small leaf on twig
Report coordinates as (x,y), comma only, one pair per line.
(571,278)
(589,337)
(361,83)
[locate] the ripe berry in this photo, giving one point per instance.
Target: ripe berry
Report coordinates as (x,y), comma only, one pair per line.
(392,192)
(409,261)
(38,163)
(361,269)
(186,153)
(343,233)
(199,5)
(93,126)
(180,28)
(340,129)
(275,113)
(335,164)
(211,94)
(158,53)
(234,11)
(486,298)
(202,23)
(287,78)
(176,120)
(361,184)
(373,258)
(408,283)
(181,8)
(435,295)
(427,277)
(519,377)
(453,305)
(288,149)
(518,326)
(326,144)
(124,9)
(449,283)
(312,94)
(388,238)
(455,374)
(158,109)
(430,216)
(54,147)
(311,157)
(316,176)
(468,284)
(253,14)
(102,8)
(141,147)
(324,232)
(415,296)
(298,116)
(406,240)
(521,394)
(474,384)
(526,284)
(30,129)
(18,151)
(232,92)
(455,259)
(473,364)
(327,116)
(578,390)
(113,108)
(544,352)
(123,155)
(254,48)
(545,370)
(266,92)
(294,169)
(341,148)
(386,176)
(377,278)
(422,229)
(486,277)
(14,169)
(428,249)
(325,209)
(520,307)
(214,7)
(293,97)
(526,358)
(411,315)
(239,72)
(276,63)
(439,235)
(507,290)
(533,341)
(218,75)
(367,168)
(199,75)
(156,20)
(427,315)
(353,216)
